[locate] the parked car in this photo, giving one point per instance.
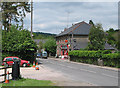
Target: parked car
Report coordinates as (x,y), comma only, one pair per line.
(9,62)
(44,54)
(39,55)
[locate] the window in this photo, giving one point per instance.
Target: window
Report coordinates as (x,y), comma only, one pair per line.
(8,59)
(15,58)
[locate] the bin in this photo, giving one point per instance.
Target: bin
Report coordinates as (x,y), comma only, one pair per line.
(16,70)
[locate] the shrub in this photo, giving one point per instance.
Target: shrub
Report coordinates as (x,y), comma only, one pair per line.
(91,57)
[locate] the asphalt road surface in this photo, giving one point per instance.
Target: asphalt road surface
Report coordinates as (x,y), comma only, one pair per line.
(80,72)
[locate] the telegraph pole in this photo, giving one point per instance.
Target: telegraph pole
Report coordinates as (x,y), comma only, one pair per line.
(31,19)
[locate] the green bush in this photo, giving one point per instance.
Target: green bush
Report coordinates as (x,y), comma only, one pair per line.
(18,43)
(91,57)
(112,59)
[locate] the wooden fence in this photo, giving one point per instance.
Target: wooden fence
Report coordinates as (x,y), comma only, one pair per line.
(5,73)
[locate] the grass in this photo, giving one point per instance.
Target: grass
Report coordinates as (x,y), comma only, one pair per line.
(0,85)
(29,82)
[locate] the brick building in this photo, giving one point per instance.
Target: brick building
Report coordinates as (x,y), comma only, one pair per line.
(73,38)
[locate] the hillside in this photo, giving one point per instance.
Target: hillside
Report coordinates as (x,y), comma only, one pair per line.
(41,35)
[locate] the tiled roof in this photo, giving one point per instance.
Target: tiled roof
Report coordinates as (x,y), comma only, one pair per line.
(81,28)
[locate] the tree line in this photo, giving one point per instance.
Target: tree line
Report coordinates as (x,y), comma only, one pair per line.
(16,41)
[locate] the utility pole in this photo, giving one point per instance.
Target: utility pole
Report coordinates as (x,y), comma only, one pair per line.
(31,19)
(72,42)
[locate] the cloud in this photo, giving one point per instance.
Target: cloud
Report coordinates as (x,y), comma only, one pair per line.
(52,16)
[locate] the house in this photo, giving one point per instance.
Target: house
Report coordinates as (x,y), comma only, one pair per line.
(73,38)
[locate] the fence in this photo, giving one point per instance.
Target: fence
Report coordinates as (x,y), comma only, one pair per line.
(5,72)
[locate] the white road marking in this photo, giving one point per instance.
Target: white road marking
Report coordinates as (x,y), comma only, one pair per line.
(88,70)
(109,76)
(62,65)
(78,69)
(70,67)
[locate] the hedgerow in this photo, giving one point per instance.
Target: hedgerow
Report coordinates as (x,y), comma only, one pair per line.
(91,57)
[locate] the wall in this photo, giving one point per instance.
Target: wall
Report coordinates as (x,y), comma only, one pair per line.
(79,42)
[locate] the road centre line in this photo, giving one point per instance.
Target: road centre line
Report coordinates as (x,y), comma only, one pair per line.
(110,76)
(88,70)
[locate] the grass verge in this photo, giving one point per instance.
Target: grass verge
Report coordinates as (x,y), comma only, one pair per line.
(29,82)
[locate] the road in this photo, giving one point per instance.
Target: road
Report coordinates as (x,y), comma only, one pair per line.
(81,72)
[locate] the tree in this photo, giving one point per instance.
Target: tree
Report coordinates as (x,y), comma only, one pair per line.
(96,37)
(113,37)
(111,30)
(18,43)
(13,11)
(40,46)
(91,22)
(50,47)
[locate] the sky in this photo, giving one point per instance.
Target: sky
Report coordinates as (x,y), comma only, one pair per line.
(53,17)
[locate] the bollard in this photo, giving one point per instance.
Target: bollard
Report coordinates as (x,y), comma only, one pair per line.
(7,77)
(15,70)
(34,64)
(36,67)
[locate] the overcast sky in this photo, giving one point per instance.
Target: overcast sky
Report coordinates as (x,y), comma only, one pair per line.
(51,17)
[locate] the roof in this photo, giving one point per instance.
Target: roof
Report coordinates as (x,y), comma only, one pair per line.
(109,47)
(11,57)
(81,28)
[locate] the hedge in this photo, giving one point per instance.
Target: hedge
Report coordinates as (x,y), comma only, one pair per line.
(112,59)
(91,57)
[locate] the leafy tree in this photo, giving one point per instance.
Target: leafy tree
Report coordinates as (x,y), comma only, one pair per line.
(91,22)
(110,39)
(113,37)
(18,43)
(13,11)
(40,46)
(96,37)
(111,30)
(118,40)
(50,46)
